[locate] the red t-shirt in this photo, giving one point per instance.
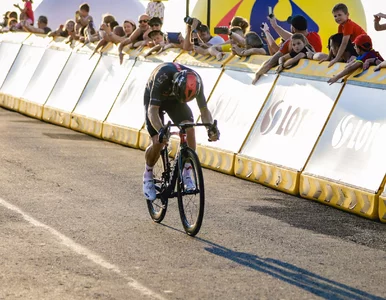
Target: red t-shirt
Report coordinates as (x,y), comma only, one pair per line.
(352,29)
(29,12)
(312,37)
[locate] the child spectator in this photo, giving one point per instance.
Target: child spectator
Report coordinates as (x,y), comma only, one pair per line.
(236,39)
(299,49)
(129,27)
(350,30)
(12,26)
(64,30)
(253,46)
(84,22)
(155,9)
(158,39)
(42,26)
(377,20)
(334,43)
(27,9)
(366,57)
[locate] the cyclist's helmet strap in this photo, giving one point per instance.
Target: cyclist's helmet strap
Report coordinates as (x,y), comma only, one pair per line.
(186,85)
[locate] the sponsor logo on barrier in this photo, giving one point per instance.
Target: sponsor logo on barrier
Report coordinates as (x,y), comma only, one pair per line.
(286,121)
(356,134)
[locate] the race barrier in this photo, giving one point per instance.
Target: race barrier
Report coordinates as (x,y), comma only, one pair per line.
(347,167)
(291,131)
(286,131)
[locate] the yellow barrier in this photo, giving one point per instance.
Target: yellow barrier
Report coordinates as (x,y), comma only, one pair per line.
(287,128)
(347,167)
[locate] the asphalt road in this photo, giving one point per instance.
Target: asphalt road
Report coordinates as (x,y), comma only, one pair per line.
(74,225)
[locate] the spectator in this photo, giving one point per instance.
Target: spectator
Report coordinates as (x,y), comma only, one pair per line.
(64,30)
(158,39)
(155,23)
(253,46)
(12,26)
(273,47)
(240,22)
(366,57)
(27,9)
(236,39)
(300,47)
(139,35)
(129,27)
(334,43)
(155,9)
(298,25)
(382,65)
(4,23)
(204,39)
(350,30)
(84,27)
(377,20)
(42,26)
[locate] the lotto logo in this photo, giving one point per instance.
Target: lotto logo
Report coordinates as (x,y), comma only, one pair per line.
(357,134)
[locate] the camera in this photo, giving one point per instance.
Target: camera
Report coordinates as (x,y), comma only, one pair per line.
(196,42)
(188,20)
(221,30)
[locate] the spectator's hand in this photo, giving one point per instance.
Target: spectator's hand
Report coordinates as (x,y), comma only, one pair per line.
(377,19)
(323,60)
(333,80)
(333,62)
(366,64)
(310,54)
(380,15)
(237,50)
(195,23)
(273,21)
(279,68)
(265,27)
(256,79)
(17,6)
(351,59)
(120,57)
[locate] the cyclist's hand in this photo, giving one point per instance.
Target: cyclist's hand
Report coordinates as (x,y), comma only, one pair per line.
(163,135)
(213,132)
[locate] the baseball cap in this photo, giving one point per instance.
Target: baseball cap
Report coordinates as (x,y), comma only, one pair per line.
(155,20)
(298,22)
(364,41)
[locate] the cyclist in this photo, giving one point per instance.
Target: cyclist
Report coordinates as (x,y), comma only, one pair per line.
(168,89)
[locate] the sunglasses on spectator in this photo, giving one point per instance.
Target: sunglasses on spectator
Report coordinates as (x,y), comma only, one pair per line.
(143,21)
(155,25)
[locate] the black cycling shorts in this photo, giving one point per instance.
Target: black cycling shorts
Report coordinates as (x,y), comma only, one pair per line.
(178,112)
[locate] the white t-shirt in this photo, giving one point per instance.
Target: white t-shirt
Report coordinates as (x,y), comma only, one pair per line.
(216,40)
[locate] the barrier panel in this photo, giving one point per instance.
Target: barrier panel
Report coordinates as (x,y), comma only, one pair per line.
(100,93)
(288,126)
(43,80)
(69,87)
(347,167)
(20,72)
(126,117)
(234,103)
(9,49)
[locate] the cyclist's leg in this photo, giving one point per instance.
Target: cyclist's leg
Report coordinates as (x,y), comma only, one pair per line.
(152,155)
(181,113)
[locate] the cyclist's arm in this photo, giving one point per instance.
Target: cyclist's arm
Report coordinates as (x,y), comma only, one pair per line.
(153,114)
(206,116)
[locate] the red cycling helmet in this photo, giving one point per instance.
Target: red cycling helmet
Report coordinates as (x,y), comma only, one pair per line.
(186,85)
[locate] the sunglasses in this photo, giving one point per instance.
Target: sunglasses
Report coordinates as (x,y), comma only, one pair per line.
(143,21)
(155,25)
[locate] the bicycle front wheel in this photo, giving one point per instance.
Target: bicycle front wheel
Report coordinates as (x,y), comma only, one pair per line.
(191,192)
(157,208)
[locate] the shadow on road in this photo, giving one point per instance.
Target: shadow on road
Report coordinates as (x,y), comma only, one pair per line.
(301,278)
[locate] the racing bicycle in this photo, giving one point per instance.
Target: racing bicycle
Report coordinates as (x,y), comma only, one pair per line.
(169,182)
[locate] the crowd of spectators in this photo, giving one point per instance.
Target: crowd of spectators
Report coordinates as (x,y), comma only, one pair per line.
(350,44)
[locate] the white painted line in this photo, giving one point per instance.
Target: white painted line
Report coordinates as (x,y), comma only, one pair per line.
(81,250)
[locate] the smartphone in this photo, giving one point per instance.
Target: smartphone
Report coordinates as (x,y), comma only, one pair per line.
(221,30)
(173,37)
(270,12)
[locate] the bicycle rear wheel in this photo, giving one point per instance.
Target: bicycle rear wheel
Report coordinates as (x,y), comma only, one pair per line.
(157,208)
(191,195)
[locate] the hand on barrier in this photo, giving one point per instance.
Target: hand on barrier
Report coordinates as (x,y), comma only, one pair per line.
(333,80)
(323,60)
(333,62)
(213,132)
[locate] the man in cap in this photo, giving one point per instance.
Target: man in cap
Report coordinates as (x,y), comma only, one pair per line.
(298,25)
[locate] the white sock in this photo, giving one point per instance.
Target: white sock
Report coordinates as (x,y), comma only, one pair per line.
(148,174)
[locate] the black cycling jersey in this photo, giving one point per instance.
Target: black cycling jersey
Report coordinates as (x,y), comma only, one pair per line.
(304,50)
(159,85)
